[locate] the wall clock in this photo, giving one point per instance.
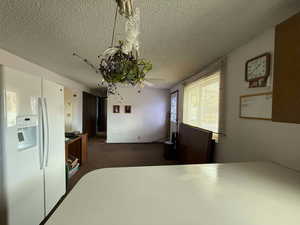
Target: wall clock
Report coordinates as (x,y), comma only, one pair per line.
(257,70)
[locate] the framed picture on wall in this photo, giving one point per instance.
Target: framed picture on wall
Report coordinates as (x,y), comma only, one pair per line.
(257,70)
(116,109)
(127,108)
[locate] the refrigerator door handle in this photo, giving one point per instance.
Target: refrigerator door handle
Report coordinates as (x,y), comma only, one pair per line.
(41,132)
(47,131)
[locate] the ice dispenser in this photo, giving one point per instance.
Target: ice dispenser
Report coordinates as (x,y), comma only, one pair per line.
(27,132)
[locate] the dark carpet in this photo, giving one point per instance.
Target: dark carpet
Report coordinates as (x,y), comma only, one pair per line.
(102,155)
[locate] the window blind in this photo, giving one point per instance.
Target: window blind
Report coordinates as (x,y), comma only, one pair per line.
(201,103)
(174,99)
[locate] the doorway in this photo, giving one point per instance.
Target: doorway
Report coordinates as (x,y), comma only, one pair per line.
(95,116)
(102,117)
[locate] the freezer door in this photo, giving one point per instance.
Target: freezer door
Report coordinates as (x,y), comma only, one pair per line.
(23,175)
(55,179)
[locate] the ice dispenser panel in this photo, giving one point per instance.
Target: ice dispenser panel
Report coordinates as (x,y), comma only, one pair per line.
(27,132)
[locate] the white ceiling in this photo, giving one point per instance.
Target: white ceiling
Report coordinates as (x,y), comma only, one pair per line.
(178,36)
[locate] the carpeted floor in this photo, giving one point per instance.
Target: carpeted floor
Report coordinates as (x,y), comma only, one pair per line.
(102,155)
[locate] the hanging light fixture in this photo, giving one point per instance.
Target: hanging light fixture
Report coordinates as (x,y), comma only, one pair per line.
(121,64)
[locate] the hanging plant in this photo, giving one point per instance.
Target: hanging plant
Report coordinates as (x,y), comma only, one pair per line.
(117,67)
(121,65)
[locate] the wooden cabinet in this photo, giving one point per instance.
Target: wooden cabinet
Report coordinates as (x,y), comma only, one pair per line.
(286,94)
(84,148)
(78,147)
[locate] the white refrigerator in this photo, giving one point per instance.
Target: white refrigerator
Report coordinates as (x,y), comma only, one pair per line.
(32,155)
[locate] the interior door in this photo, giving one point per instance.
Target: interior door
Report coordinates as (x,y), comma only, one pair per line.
(55,180)
(23,171)
(89,117)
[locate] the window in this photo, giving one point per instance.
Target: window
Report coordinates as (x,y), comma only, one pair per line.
(201,103)
(174,101)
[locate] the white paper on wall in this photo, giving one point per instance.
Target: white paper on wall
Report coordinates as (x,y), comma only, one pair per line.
(256,106)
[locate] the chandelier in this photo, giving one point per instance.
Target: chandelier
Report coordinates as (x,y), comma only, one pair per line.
(121,64)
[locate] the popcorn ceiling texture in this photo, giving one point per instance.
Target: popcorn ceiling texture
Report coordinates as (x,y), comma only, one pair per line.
(180,37)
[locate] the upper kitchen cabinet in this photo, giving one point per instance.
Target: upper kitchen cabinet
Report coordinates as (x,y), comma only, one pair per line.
(286,87)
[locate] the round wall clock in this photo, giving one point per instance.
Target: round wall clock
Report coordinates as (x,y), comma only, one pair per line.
(258,69)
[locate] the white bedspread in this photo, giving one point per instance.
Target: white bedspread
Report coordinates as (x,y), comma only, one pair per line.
(210,194)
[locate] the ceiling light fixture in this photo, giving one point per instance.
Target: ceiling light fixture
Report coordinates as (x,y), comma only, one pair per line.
(121,64)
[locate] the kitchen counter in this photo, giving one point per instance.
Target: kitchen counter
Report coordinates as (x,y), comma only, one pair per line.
(210,194)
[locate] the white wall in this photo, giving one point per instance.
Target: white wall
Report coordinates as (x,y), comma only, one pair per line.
(248,140)
(21,64)
(254,139)
(147,121)
(74,122)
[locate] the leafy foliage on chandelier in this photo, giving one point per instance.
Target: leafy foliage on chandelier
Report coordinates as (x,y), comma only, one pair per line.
(118,67)
(121,64)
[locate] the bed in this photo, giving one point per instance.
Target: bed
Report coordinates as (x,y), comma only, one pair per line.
(255,193)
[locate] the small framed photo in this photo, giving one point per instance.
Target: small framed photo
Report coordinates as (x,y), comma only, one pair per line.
(116,109)
(127,108)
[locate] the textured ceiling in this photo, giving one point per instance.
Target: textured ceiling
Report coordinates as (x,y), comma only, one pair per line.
(178,36)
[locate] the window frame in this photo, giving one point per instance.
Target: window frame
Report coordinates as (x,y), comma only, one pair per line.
(204,76)
(177,105)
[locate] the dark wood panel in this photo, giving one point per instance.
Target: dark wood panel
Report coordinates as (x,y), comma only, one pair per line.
(286,94)
(102,114)
(195,145)
(84,148)
(89,114)
(78,147)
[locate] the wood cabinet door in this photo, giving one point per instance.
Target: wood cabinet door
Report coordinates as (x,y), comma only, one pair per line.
(286,87)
